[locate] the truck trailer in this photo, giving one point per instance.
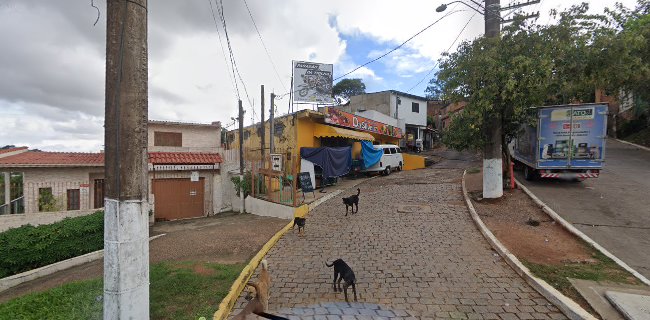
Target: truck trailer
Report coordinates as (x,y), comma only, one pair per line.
(566,141)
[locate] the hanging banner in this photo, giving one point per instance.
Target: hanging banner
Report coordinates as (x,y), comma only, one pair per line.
(344,119)
(312,82)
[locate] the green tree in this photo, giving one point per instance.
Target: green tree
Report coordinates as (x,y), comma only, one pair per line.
(531,65)
(349,87)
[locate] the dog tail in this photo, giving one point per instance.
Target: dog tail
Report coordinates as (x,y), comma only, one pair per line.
(269,316)
(265,264)
(358,191)
(329,265)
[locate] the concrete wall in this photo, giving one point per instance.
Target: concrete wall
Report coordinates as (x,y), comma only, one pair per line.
(267,209)
(385,102)
(195,138)
(10,221)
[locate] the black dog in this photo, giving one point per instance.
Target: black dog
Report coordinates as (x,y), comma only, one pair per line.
(300,222)
(345,272)
(351,201)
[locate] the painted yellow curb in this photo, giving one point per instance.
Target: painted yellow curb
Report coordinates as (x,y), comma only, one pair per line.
(237,287)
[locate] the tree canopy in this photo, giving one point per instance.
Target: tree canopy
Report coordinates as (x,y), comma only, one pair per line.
(533,65)
(349,87)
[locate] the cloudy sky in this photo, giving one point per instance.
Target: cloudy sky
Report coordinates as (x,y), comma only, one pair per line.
(52,58)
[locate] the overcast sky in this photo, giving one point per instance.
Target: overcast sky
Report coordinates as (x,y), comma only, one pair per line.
(52,58)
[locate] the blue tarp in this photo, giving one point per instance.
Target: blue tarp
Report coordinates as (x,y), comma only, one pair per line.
(335,162)
(369,154)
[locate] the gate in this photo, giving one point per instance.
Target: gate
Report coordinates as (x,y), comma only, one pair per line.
(178,198)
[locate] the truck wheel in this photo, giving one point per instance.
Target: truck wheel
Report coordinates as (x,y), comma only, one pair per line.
(387,171)
(529,173)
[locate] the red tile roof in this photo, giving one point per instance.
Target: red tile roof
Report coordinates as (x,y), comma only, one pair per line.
(73,159)
(183,157)
(12,149)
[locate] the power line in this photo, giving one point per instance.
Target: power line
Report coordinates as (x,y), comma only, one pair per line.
(232,60)
(232,56)
(436,64)
(268,54)
(399,46)
(223,51)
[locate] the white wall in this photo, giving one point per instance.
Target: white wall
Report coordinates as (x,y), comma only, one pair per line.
(406,113)
(195,138)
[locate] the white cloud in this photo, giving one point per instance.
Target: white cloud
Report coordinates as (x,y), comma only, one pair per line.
(52,62)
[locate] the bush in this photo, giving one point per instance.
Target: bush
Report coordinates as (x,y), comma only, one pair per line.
(246,184)
(28,247)
(633,126)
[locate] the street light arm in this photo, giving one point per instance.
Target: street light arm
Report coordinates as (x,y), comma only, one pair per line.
(443,7)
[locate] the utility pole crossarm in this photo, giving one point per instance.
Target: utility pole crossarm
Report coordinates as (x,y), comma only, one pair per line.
(520,5)
(534,15)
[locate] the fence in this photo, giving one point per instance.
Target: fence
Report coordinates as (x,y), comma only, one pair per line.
(276,179)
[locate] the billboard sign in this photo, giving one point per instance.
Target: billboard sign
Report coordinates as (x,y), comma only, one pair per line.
(312,82)
(344,119)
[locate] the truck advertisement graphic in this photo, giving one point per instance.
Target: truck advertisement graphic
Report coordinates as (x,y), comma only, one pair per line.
(570,139)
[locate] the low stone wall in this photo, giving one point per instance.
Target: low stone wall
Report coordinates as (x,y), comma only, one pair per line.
(266,208)
(9,221)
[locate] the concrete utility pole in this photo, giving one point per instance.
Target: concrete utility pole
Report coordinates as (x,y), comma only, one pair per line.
(272,124)
(492,159)
(263,135)
(241,156)
(126,217)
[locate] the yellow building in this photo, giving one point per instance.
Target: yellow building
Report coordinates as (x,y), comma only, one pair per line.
(307,128)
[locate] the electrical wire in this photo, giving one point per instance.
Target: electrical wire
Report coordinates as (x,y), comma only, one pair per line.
(437,62)
(268,54)
(389,52)
(223,51)
(399,46)
(232,60)
(232,56)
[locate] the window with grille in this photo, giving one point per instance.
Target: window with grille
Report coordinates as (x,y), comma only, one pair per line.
(415,107)
(73,199)
(45,199)
(167,139)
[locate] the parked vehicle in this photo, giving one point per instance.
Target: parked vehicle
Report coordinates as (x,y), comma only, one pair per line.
(567,141)
(391,159)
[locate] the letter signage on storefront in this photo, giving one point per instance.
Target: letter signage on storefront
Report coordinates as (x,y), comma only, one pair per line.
(345,119)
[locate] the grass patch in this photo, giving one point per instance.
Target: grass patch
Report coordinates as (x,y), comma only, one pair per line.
(178,290)
(642,137)
(605,269)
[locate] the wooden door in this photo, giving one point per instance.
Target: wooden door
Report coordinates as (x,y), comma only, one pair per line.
(98,193)
(178,198)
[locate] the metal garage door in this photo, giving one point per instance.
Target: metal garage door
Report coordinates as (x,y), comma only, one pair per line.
(178,198)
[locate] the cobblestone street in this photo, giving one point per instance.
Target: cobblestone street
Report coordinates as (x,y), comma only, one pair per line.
(415,252)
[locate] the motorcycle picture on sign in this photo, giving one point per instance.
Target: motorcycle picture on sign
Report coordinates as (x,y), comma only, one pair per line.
(312,82)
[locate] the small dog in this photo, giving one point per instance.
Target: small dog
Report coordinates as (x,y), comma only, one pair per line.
(343,272)
(301,224)
(259,304)
(351,201)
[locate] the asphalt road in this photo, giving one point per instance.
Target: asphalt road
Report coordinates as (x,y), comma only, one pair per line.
(614,209)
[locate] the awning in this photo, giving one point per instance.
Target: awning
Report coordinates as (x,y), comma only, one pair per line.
(321,130)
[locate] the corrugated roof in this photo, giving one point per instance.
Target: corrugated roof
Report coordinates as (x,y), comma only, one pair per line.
(73,159)
(183,157)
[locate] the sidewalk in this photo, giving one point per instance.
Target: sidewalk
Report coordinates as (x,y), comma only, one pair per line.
(431,262)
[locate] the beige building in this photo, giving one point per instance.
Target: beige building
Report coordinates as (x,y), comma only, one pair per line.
(184,171)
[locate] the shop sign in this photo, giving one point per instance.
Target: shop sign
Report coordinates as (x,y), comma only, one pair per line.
(344,119)
(183,167)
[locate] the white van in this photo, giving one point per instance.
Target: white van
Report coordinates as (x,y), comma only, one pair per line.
(391,159)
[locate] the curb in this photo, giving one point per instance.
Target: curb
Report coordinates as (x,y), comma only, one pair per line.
(226,305)
(569,227)
(566,305)
(633,144)
(12,281)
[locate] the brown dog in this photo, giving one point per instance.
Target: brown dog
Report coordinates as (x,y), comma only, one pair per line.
(259,305)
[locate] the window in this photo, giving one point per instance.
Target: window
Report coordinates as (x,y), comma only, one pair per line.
(415,107)
(167,139)
(393,151)
(387,151)
(45,199)
(73,199)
